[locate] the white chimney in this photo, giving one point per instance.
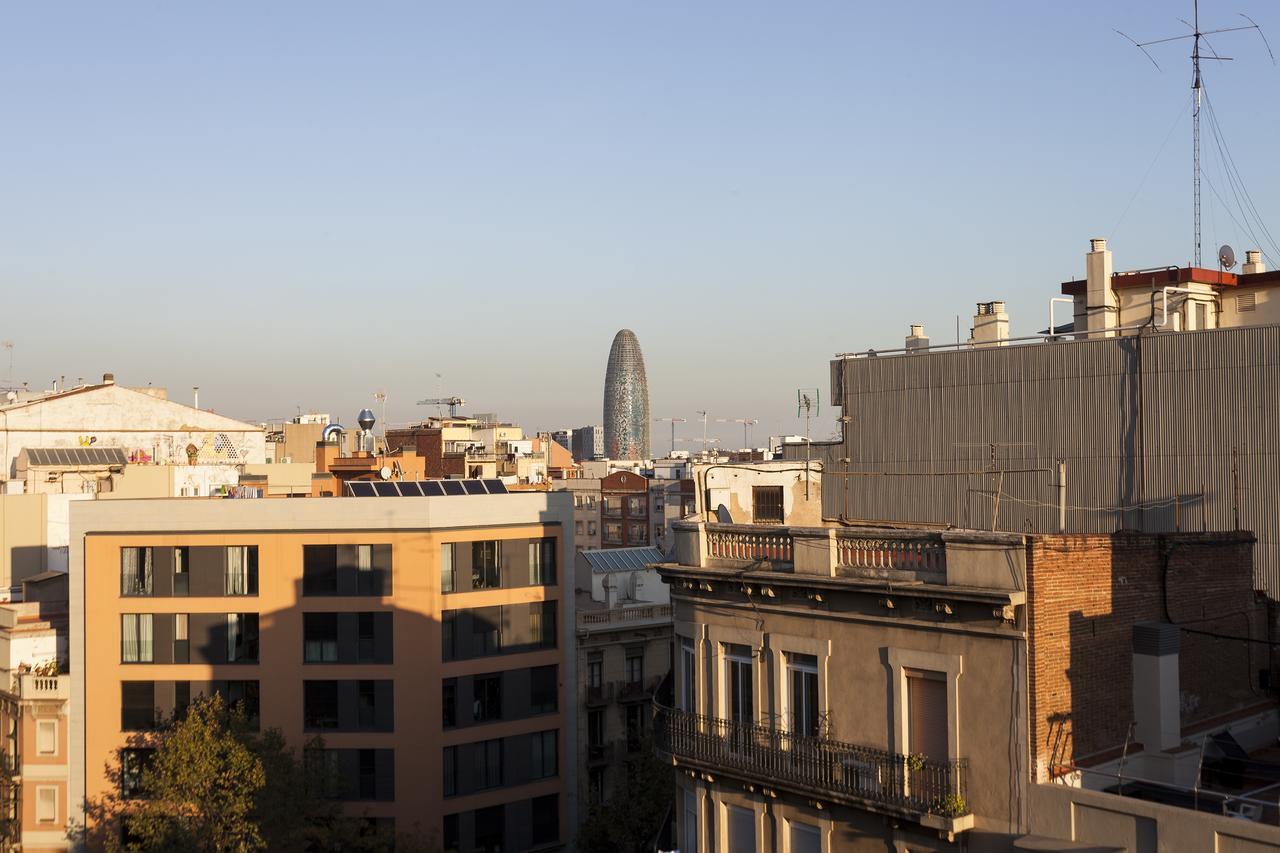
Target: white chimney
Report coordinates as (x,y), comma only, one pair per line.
(1253,262)
(1157,706)
(1101,305)
(990,324)
(917,339)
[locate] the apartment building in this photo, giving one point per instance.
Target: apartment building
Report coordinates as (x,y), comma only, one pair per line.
(428,639)
(849,688)
(624,510)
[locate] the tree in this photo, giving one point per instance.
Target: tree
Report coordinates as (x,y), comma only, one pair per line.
(212,783)
(631,819)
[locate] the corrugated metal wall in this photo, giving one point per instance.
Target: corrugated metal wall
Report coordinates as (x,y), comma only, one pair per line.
(1143,423)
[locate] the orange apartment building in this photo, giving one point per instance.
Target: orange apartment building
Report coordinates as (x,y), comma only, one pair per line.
(428,639)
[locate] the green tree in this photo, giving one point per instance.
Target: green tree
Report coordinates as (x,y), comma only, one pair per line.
(631,818)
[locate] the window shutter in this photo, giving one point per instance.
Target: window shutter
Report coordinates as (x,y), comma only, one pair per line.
(927,716)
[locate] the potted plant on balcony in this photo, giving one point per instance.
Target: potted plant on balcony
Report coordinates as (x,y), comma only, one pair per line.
(951,805)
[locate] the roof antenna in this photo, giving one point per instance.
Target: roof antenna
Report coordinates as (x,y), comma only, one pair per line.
(1197,36)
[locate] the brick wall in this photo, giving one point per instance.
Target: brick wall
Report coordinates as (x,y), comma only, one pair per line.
(1085,592)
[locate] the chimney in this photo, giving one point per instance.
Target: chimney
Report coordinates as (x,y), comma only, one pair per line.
(1101,306)
(917,339)
(1157,708)
(990,324)
(108,379)
(1253,262)
(195,396)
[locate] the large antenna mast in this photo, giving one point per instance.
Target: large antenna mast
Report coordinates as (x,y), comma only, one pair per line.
(1197,36)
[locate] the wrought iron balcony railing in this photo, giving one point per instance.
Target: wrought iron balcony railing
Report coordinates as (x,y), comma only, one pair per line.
(845,772)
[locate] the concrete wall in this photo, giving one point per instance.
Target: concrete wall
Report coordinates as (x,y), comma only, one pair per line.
(34,532)
(728,488)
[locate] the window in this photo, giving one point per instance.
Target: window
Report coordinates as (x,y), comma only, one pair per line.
(741,826)
(324,771)
(802,696)
(137,706)
(137,645)
(320,704)
(738,683)
(243,697)
(319,570)
(491,826)
(242,637)
(613,532)
(543,689)
(448,635)
(542,562)
(635,726)
(635,667)
(488,758)
(546,820)
(452,837)
(595,729)
(181,571)
(636,506)
(577,528)
(241,570)
(46,737)
(544,754)
(450,771)
(613,507)
(181,698)
(595,673)
(46,804)
(487,693)
(135,571)
(927,714)
(320,637)
(367,774)
(542,623)
(766,504)
(805,838)
(595,783)
(688,676)
(486,572)
(486,631)
(134,763)
(366,644)
(689,822)
(591,528)
(449,699)
(181,645)
(637,533)
(446,567)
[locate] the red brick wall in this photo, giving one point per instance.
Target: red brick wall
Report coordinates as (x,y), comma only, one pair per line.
(1085,592)
(427,442)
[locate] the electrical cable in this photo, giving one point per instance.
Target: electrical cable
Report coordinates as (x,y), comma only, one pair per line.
(1152,166)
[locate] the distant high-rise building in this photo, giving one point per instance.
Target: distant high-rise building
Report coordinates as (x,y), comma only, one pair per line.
(588,443)
(626,400)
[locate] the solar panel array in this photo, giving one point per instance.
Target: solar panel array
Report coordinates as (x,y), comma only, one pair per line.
(423,488)
(71,456)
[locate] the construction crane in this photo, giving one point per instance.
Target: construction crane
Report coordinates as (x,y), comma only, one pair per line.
(673,422)
(452,402)
(747,423)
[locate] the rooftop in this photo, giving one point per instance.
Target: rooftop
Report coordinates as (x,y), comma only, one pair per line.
(623,559)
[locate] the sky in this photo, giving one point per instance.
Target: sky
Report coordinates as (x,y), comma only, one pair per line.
(294,204)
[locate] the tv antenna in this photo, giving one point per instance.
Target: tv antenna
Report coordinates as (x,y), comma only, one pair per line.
(808,405)
(1197,36)
(746,428)
(381,397)
(704,414)
(673,422)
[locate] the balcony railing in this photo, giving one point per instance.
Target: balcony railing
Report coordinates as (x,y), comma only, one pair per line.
(599,694)
(600,619)
(635,691)
(862,552)
(30,686)
(856,775)
(748,542)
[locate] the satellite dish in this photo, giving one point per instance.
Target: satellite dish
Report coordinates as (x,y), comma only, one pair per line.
(385,473)
(1226,257)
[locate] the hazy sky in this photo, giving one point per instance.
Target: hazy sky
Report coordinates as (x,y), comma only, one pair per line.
(293,204)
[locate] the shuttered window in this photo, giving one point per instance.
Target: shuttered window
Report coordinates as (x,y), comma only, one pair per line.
(927,715)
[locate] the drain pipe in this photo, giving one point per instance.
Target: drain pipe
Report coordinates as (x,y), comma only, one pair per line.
(1067,299)
(1164,301)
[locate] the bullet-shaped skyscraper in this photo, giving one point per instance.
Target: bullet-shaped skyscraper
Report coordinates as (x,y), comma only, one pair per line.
(626,400)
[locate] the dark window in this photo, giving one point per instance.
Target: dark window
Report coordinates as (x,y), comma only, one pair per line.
(366,705)
(243,697)
(544,757)
(542,562)
(319,570)
(135,571)
(766,504)
(613,506)
(635,726)
(181,571)
(637,533)
(542,624)
(323,771)
(449,698)
(241,570)
(366,643)
(242,637)
(486,572)
(366,760)
(613,532)
(636,507)
(450,771)
(595,729)
(320,637)
(320,704)
(595,671)
(447,578)
(486,630)
(802,672)
(487,704)
(134,764)
(543,689)
(491,825)
(137,705)
(595,782)
(635,668)
(373,569)
(181,698)
(448,635)
(488,769)
(546,820)
(181,641)
(451,836)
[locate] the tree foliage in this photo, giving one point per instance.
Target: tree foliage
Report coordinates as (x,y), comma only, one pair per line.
(631,818)
(214,784)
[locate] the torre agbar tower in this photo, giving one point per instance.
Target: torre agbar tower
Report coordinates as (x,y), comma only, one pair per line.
(626,400)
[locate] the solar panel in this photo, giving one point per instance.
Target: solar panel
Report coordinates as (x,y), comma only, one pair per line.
(432,489)
(424,488)
(410,489)
(361,489)
(474,487)
(495,487)
(452,487)
(386,490)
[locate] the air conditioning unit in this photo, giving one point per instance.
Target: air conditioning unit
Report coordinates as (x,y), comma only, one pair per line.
(285,460)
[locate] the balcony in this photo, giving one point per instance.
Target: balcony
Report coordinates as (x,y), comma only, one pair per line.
(623,617)
(933,793)
(42,687)
(638,691)
(599,695)
(599,754)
